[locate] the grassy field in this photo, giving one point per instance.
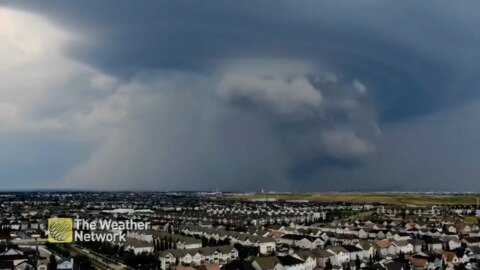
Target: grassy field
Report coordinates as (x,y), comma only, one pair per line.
(391,198)
(470,220)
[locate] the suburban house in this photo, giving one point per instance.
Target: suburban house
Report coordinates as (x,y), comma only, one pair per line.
(354,251)
(138,246)
(266,245)
(434,243)
(426,260)
(402,246)
(302,241)
(278,263)
(401,236)
(267,263)
(323,257)
(65,264)
(385,247)
(341,255)
(194,257)
(471,241)
(308,257)
(451,242)
(449,257)
(417,244)
(178,241)
(369,248)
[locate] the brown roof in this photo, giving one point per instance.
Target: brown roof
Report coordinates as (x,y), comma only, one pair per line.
(209,266)
(366,245)
(383,243)
(337,249)
(418,262)
(304,254)
(449,255)
(267,262)
(400,243)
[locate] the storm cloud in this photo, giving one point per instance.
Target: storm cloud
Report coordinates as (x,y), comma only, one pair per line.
(234,126)
(235,95)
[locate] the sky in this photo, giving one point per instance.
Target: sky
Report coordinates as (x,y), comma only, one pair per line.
(240,95)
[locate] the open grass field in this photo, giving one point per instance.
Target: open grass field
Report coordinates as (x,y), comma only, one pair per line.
(390,198)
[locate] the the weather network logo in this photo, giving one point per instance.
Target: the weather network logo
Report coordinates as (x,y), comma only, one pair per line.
(60,230)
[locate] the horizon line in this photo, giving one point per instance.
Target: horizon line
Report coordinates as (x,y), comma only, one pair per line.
(92,190)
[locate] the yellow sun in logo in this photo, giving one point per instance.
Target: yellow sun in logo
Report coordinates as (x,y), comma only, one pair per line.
(60,230)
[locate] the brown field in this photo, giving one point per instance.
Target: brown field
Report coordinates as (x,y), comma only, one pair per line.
(470,219)
(390,198)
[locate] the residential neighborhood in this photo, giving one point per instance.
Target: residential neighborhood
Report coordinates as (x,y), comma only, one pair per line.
(198,230)
(239,135)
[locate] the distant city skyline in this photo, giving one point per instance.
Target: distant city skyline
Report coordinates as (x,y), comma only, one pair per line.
(240,95)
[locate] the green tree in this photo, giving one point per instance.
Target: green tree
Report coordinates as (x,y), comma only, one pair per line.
(82,262)
(170,244)
(358,263)
(53,262)
(328,265)
(162,245)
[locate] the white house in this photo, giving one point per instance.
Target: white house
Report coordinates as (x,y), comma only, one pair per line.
(309,258)
(354,251)
(385,247)
(267,263)
(402,246)
(278,263)
(452,242)
(291,263)
(369,249)
(401,236)
(219,255)
(302,241)
(65,264)
(138,246)
(341,255)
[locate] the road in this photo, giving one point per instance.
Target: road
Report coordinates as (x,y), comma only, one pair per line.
(96,258)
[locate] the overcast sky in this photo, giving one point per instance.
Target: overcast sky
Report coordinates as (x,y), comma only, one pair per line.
(240,95)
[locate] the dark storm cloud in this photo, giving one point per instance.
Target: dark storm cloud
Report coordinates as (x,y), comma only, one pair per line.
(263,92)
(188,131)
(409,52)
